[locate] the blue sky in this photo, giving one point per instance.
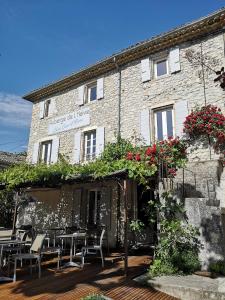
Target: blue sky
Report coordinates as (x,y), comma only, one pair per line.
(44,40)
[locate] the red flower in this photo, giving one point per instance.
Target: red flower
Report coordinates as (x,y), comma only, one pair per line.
(138,157)
(129,156)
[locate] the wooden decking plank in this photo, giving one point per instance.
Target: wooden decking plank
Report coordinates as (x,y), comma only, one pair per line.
(74,283)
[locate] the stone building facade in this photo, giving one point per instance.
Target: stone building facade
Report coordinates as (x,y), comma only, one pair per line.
(142,93)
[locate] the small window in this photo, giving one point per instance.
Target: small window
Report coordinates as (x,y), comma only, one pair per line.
(94,207)
(90,145)
(46,108)
(161,68)
(163,123)
(45,152)
(91,92)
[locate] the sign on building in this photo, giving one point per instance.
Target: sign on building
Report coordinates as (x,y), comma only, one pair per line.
(70,121)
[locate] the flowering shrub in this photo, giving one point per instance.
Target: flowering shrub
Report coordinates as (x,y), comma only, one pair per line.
(169,154)
(209,122)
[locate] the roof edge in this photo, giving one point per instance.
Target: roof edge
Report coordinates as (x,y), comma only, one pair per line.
(194,29)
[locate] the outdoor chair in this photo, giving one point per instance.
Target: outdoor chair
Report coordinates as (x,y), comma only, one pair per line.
(6,234)
(93,249)
(35,253)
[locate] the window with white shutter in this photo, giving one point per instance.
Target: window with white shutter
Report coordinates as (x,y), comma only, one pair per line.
(181,112)
(163,123)
(161,67)
(145,70)
(90,145)
(174,60)
(45,152)
(100,88)
(145,129)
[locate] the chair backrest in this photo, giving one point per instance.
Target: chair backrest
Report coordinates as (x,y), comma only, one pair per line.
(38,242)
(101,237)
(6,234)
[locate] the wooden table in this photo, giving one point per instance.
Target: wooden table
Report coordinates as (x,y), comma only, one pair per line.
(73,236)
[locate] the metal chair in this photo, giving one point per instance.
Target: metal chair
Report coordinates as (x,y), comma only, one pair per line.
(6,234)
(35,253)
(93,249)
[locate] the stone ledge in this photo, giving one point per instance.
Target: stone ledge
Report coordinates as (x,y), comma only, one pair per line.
(191,287)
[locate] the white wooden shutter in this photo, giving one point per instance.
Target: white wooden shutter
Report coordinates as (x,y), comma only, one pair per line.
(174,60)
(100,88)
(76,149)
(181,112)
(55,150)
(100,140)
(81,90)
(145,70)
(145,121)
(35,153)
(41,109)
(52,108)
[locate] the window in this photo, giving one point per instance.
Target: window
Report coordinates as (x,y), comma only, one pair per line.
(94,207)
(91,92)
(90,145)
(161,68)
(163,123)
(45,152)
(46,108)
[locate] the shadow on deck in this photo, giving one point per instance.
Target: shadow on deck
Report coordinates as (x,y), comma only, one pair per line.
(73,283)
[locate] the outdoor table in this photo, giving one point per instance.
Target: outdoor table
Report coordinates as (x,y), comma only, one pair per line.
(54,232)
(7,243)
(73,237)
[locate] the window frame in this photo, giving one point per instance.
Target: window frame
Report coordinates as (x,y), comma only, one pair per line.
(167,67)
(85,141)
(164,118)
(47,104)
(42,152)
(88,88)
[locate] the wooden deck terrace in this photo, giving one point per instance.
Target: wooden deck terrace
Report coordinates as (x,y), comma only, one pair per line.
(74,283)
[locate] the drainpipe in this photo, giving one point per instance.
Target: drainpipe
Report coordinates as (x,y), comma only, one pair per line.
(119,97)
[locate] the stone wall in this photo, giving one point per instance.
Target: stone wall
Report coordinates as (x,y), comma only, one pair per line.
(136,96)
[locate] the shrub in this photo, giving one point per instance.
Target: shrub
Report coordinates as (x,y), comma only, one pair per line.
(218,267)
(177,250)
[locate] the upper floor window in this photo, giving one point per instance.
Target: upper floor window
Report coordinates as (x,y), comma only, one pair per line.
(90,145)
(163,123)
(91,92)
(45,152)
(161,68)
(46,108)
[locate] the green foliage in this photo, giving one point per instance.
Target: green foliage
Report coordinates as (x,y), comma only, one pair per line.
(113,159)
(6,208)
(93,297)
(160,267)
(177,250)
(117,150)
(136,226)
(218,267)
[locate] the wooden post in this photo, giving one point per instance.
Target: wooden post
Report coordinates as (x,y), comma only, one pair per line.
(125,228)
(15,212)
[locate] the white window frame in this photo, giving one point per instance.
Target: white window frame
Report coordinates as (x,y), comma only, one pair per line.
(96,212)
(43,145)
(167,67)
(88,88)
(164,121)
(92,154)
